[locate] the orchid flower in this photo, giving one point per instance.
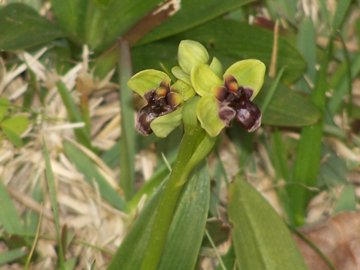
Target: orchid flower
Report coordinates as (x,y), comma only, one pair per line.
(222,100)
(162,112)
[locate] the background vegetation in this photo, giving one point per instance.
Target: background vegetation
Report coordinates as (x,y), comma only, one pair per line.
(75,174)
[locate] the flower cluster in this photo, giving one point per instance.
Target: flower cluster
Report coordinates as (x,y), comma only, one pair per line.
(224,96)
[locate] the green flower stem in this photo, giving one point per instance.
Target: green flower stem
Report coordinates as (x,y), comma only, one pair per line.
(195,146)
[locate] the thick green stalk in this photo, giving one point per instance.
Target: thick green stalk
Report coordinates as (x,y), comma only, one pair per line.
(194,147)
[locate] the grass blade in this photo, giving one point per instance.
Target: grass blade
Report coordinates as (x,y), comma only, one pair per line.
(128,135)
(53,199)
(9,218)
(75,116)
(12,255)
(86,166)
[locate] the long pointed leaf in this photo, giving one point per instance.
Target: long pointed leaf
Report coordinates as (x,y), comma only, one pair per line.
(261,239)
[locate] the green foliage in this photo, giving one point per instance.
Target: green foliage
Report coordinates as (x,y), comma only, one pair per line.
(301,104)
(261,239)
(23,28)
(12,126)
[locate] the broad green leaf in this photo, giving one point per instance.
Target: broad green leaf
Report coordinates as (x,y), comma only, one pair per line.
(248,73)
(99,23)
(231,41)
(4,106)
(13,137)
(165,124)
(208,114)
(7,257)
(17,124)
(23,28)
(13,128)
(9,218)
(188,224)
(187,227)
(191,14)
(260,238)
(75,116)
(87,167)
(287,108)
(147,80)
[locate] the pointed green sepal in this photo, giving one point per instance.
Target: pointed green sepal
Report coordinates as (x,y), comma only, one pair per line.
(216,66)
(163,125)
(180,74)
(146,80)
(248,73)
(184,89)
(204,80)
(190,54)
(208,114)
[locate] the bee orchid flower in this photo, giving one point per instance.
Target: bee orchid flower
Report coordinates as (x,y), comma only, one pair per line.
(163,110)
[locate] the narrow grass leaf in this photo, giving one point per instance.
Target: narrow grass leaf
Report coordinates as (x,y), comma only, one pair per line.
(341,10)
(270,93)
(50,179)
(75,116)
(307,162)
(4,106)
(340,82)
(87,167)
(22,28)
(9,218)
(7,257)
(260,238)
(128,135)
(192,14)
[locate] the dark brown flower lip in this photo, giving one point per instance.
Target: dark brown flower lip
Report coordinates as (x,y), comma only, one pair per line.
(160,101)
(234,102)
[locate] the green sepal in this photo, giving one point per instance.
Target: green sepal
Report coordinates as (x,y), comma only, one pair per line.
(216,66)
(184,89)
(146,80)
(208,114)
(163,125)
(204,80)
(180,74)
(248,73)
(190,54)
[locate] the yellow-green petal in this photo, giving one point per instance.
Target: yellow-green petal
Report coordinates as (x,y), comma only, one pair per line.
(248,73)
(146,80)
(180,74)
(184,89)
(190,54)
(163,125)
(204,80)
(216,66)
(208,114)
